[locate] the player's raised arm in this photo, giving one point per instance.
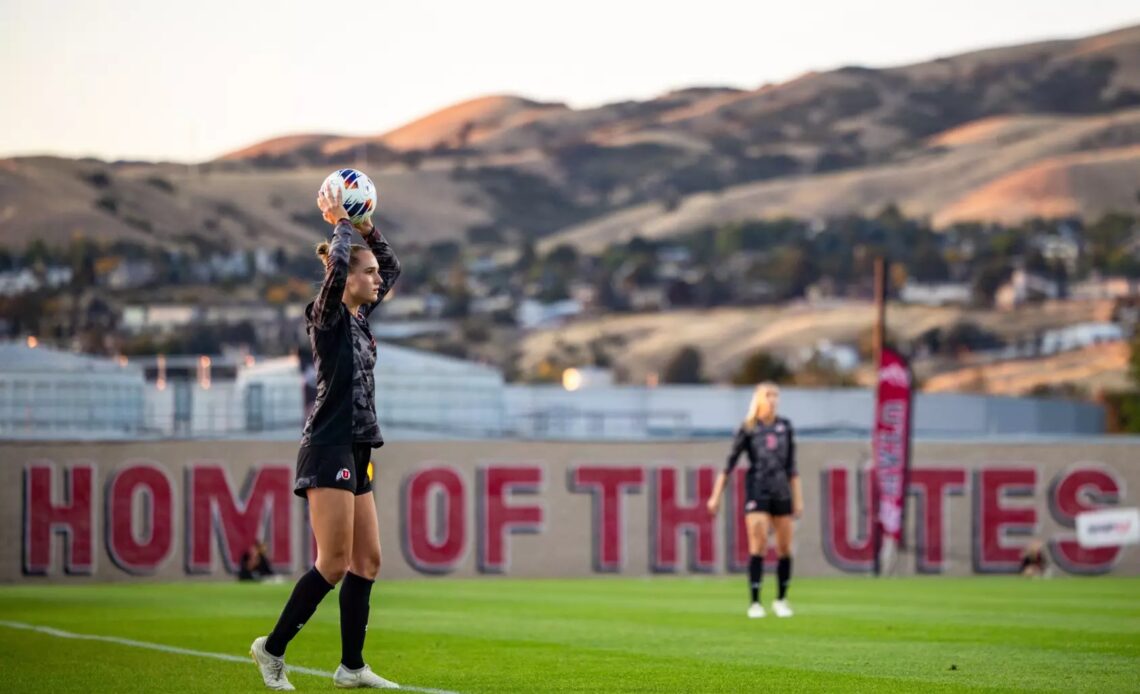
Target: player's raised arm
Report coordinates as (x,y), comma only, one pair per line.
(336,255)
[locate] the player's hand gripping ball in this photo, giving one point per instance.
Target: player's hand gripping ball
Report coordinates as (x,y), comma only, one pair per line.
(357,192)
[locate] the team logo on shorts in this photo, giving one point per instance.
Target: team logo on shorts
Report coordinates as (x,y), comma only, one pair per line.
(344,474)
(751,505)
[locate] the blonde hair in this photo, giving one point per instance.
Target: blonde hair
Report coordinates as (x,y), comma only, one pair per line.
(323,253)
(759,400)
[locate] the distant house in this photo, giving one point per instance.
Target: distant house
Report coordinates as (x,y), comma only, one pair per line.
(584,293)
(654,298)
(1024,287)
(935,293)
(57,276)
(534,314)
(161,318)
(231,314)
(264,262)
(842,357)
(404,306)
(18,282)
(492,304)
(1105,288)
(1063,246)
(130,274)
(1079,336)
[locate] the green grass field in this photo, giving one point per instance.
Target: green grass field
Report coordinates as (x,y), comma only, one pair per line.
(603,635)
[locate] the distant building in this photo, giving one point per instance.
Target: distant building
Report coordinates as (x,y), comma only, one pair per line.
(50,394)
(534,314)
(1063,246)
(1105,288)
(935,293)
(1024,287)
(648,298)
(1079,336)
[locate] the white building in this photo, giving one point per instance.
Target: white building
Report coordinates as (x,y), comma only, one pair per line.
(1096,288)
(1023,287)
(533,314)
(423,392)
(424,396)
(1079,336)
(935,293)
(51,394)
(161,318)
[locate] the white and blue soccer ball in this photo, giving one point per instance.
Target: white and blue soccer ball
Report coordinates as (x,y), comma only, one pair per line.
(357,190)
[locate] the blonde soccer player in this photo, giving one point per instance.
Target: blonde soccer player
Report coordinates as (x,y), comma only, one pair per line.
(773,493)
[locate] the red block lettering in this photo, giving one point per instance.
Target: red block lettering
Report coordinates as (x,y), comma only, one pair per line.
(72,518)
(606,485)
(139,555)
(994,521)
(496,519)
(238,522)
(692,518)
(1083,488)
(433,543)
(931,486)
(841,551)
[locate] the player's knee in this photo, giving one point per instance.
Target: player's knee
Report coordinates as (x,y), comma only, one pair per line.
(333,565)
(367,566)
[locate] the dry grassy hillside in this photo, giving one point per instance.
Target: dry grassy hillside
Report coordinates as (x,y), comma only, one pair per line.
(1033,130)
(643,343)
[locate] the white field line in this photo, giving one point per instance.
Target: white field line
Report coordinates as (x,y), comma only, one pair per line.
(59,633)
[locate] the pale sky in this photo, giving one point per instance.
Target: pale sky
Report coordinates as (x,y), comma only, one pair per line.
(188,81)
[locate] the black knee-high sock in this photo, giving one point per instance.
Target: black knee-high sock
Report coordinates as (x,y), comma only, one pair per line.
(307,594)
(755,575)
(784,574)
(354,594)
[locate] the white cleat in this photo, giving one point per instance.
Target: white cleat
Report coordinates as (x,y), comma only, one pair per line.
(782,608)
(363,678)
(756,611)
(272,668)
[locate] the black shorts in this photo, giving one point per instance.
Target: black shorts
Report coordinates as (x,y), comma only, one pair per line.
(771,496)
(773,506)
(340,467)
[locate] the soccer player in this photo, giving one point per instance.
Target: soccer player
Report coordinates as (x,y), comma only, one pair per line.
(333,464)
(774,496)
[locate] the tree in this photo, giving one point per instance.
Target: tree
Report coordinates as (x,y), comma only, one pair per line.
(929,265)
(563,255)
(819,372)
(1035,262)
(761,366)
(684,367)
(1134,360)
(527,257)
(988,280)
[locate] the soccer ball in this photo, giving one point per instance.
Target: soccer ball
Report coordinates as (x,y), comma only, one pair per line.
(358,191)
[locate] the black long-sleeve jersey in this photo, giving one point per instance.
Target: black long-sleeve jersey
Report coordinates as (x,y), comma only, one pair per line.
(344,350)
(771,450)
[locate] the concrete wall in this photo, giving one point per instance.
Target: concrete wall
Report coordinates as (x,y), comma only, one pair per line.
(130,511)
